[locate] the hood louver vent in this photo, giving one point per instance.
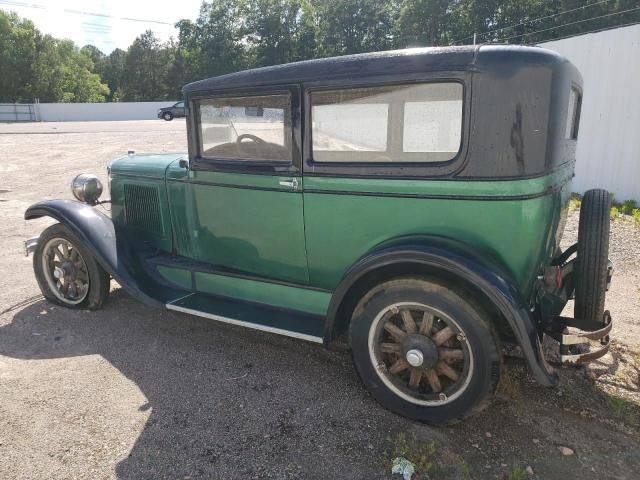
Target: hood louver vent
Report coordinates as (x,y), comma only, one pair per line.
(142,208)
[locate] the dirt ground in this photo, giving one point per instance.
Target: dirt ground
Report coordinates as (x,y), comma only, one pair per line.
(134,393)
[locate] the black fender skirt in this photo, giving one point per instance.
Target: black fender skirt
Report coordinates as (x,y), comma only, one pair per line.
(437,254)
(98,235)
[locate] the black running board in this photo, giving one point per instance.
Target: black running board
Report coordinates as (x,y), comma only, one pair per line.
(291,323)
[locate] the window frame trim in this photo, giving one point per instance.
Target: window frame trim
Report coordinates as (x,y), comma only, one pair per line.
(252,166)
(364,169)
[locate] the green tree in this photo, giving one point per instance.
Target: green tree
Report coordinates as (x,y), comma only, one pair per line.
(354,26)
(112,71)
(146,68)
(39,66)
(422,22)
(17,56)
(215,43)
(272,29)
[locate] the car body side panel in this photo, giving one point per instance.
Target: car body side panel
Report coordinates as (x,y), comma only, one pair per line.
(139,199)
(275,294)
(507,221)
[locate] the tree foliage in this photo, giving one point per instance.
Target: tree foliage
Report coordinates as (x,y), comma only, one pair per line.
(33,65)
(231,35)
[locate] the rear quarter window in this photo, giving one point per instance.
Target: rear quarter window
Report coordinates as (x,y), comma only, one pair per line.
(395,123)
(573,114)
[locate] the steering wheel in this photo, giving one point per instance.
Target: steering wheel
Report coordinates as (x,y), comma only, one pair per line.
(253,138)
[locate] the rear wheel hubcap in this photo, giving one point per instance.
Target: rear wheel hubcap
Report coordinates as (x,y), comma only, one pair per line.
(420,353)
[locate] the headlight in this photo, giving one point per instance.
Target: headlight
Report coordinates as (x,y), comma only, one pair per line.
(86,188)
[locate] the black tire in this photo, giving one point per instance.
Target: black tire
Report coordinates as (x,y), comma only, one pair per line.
(481,341)
(168,116)
(592,256)
(98,278)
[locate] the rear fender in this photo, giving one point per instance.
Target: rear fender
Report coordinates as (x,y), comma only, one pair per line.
(98,235)
(437,255)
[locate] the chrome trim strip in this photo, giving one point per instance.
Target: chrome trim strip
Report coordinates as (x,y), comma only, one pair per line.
(30,245)
(232,321)
(181,298)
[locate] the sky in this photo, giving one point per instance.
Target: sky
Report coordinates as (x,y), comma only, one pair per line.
(107,24)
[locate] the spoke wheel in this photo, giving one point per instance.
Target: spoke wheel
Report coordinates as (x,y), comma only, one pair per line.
(420,353)
(65,271)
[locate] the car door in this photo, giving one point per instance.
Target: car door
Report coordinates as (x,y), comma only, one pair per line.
(178,109)
(245,185)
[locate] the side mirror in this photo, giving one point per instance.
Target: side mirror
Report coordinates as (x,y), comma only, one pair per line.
(183,163)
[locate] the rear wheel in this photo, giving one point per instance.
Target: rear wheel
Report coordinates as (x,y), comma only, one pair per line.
(67,273)
(592,256)
(425,352)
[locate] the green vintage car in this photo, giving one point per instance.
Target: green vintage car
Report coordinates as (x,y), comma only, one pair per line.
(407,203)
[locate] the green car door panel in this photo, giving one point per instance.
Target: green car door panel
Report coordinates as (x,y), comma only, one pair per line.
(249,223)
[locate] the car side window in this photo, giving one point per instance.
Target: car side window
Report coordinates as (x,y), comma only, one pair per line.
(573,115)
(395,123)
(247,128)
(179,105)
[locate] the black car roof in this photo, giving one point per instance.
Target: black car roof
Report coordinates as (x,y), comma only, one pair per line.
(412,60)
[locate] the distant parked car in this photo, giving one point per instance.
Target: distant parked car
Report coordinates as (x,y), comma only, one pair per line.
(174,111)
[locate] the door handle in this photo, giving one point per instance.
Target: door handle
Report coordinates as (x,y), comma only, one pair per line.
(292,184)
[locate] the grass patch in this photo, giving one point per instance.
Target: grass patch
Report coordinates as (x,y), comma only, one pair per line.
(508,386)
(429,461)
(419,453)
(614,212)
(518,473)
(575,201)
(618,404)
(627,207)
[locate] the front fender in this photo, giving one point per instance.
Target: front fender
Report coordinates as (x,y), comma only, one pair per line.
(460,262)
(97,233)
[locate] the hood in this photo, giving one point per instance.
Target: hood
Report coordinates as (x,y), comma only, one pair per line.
(144,165)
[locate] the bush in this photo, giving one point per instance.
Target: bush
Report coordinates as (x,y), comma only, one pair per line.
(575,201)
(628,206)
(636,215)
(614,212)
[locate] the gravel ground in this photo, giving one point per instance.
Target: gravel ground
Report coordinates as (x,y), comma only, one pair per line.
(131,392)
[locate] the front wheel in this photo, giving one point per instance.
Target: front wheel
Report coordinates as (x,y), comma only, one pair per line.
(67,273)
(167,116)
(425,352)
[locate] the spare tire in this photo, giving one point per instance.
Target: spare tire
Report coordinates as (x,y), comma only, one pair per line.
(592,256)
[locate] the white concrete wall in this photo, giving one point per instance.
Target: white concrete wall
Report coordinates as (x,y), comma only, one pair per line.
(78,112)
(608,153)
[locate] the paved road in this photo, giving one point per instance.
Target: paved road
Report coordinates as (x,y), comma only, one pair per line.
(176,126)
